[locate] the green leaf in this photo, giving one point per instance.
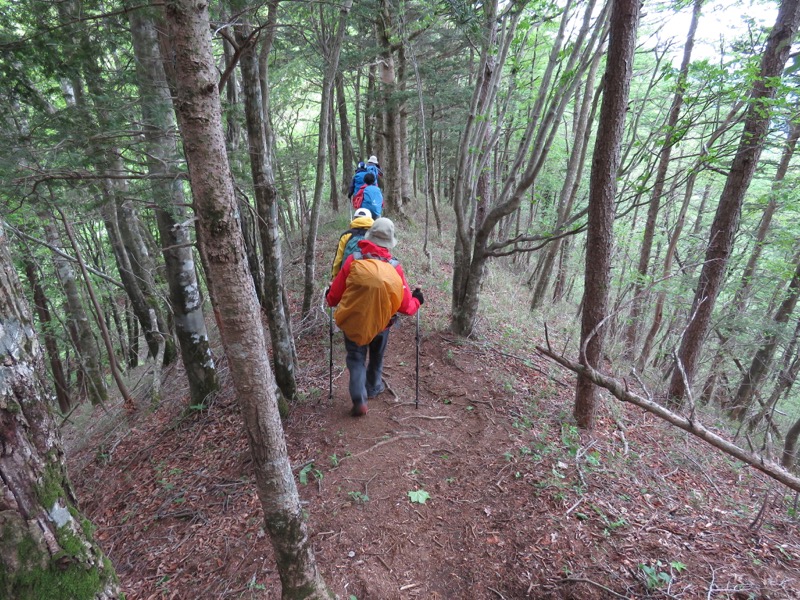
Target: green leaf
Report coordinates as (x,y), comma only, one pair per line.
(303,475)
(418,496)
(677,565)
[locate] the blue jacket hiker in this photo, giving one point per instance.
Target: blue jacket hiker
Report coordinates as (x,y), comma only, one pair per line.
(371,166)
(371,196)
(358,179)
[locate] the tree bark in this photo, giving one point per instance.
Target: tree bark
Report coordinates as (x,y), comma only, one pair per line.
(762,360)
(86,343)
(332,64)
(242,334)
(726,219)
(600,234)
(266,195)
(163,158)
(671,137)
(41,305)
(47,550)
(348,155)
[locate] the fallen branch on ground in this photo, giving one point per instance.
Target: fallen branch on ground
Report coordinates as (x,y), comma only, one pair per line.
(620,391)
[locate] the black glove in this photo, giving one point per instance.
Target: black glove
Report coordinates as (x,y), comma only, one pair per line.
(417,293)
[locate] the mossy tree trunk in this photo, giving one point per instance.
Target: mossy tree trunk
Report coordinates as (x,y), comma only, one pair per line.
(47,549)
(219,235)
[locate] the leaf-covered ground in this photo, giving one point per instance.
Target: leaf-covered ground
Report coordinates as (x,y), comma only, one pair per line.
(518,503)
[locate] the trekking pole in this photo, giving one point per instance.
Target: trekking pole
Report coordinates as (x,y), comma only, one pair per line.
(330,355)
(416,393)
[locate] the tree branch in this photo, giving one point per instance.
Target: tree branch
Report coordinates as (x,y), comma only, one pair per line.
(694,427)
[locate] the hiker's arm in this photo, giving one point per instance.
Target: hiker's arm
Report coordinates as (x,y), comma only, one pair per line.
(337,260)
(339,283)
(409,305)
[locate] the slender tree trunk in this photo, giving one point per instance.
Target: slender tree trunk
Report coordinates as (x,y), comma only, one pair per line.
(572,178)
(86,343)
(432,181)
(729,209)
(46,548)
(658,311)
(600,234)
(348,155)
(50,342)
(332,64)
(242,334)
(266,194)
(763,358)
(671,137)
(766,219)
(163,159)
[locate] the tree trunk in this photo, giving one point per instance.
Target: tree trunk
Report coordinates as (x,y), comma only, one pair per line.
(603,186)
(658,311)
(472,241)
(332,64)
(766,219)
(50,342)
(348,155)
(87,345)
(726,220)
(266,194)
(572,178)
(47,549)
(242,334)
(163,159)
(671,137)
(763,357)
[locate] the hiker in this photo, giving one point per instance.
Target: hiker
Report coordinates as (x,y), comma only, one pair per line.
(348,241)
(358,179)
(373,167)
(369,196)
(368,292)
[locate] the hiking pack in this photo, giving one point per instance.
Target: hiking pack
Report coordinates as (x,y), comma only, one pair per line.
(356,235)
(358,197)
(373,295)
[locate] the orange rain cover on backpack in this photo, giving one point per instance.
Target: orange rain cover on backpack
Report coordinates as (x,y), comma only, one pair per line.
(373,294)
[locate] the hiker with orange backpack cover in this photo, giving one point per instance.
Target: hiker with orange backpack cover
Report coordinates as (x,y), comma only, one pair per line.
(369,290)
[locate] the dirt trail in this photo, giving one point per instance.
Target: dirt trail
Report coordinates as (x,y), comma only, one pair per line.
(520,504)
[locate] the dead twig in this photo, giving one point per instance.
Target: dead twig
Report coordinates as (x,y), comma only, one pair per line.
(378,445)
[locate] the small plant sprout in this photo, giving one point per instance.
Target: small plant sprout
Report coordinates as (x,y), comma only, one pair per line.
(334,460)
(358,497)
(418,496)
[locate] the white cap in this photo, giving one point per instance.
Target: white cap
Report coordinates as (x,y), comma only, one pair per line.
(362,212)
(373,159)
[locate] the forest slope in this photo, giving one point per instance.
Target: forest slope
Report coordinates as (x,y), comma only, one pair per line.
(521,503)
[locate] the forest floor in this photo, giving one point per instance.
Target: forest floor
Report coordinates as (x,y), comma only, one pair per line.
(520,503)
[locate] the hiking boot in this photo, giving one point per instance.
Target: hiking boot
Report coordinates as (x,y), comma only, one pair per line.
(359,410)
(377,391)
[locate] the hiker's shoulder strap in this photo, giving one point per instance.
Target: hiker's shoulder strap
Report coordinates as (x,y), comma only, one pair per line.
(391,260)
